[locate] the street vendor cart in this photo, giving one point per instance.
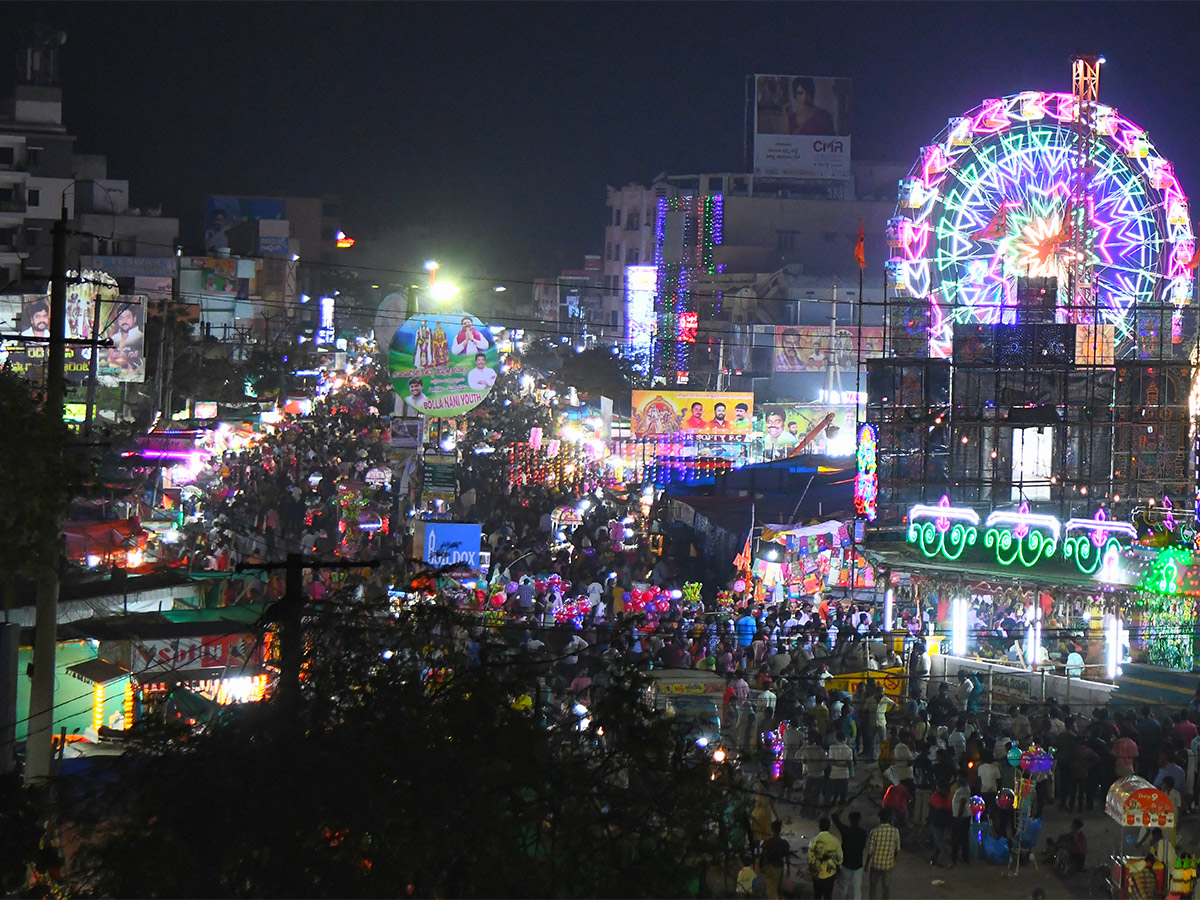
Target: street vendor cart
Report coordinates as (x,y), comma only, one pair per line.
(1137,806)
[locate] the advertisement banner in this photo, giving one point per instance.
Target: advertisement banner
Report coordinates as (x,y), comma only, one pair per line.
(219,278)
(695,412)
(808,348)
(122,319)
(222,213)
(783,426)
(450,544)
(213,652)
(443,365)
(802,126)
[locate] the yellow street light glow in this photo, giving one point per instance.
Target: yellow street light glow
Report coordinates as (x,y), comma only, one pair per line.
(443,291)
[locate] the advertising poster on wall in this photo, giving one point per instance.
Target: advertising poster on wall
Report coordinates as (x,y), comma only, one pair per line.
(695,412)
(443,365)
(802,126)
(809,348)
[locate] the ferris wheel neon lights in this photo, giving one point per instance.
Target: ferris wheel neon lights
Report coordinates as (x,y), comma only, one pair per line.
(1015,155)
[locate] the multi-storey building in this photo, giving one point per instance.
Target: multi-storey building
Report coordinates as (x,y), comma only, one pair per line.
(736,256)
(41,176)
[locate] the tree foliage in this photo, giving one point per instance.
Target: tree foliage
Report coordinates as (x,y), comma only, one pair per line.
(41,478)
(412,772)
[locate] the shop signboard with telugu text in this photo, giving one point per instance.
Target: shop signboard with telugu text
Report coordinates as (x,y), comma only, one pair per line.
(211,652)
(694,412)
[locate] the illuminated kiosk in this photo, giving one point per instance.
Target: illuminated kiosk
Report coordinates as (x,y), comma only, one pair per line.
(1040,327)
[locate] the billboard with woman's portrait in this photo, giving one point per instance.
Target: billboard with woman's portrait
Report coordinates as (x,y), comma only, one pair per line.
(802,126)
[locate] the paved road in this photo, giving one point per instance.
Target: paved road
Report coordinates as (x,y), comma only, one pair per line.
(915,878)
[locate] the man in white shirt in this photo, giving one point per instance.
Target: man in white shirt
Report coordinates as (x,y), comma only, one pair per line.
(840,759)
(812,756)
(902,763)
(958,741)
(481,377)
(989,779)
(966,687)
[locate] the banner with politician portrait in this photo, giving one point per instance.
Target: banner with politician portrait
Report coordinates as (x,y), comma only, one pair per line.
(695,412)
(121,322)
(443,365)
(811,348)
(802,126)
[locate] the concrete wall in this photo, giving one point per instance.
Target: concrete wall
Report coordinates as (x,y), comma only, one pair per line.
(1011,685)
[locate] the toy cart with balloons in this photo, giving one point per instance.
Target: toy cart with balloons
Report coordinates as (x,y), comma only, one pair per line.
(1033,765)
(1136,805)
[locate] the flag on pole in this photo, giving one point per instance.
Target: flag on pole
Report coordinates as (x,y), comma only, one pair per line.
(741,562)
(860,253)
(996,228)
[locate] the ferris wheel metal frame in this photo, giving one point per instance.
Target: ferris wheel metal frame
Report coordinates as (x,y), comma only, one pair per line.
(995,198)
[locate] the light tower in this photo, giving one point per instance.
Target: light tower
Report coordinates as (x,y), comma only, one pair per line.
(1085,85)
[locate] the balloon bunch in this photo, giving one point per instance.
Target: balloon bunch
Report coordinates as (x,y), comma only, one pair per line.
(691,591)
(651,600)
(573,611)
(1035,760)
(725,599)
(552,582)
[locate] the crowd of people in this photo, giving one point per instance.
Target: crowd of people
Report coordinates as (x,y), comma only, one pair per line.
(579,594)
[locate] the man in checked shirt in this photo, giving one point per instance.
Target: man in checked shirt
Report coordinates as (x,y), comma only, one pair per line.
(883,843)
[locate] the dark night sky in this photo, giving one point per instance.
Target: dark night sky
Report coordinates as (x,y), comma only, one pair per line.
(498,125)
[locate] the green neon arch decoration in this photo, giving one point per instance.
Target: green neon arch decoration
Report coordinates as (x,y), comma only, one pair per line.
(1082,550)
(1028,551)
(949,543)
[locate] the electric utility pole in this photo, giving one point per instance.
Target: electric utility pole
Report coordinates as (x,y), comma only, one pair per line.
(288,613)
(39,741)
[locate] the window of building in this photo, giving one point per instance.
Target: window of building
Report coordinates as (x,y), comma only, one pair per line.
(632,256)
(7,156)
(608,250)
(33,197)
(631,221)
(1032,457)
(612,317)
(33,155)
(787,240)
(617,216)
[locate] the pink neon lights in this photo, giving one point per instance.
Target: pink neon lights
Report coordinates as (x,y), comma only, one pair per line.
(1016,151)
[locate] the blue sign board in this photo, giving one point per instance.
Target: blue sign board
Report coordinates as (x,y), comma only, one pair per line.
(451,544)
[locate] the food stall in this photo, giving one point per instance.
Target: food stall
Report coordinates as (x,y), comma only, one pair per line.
(1136,805)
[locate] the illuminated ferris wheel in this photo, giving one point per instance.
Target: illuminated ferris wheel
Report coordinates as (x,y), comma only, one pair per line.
(995,203)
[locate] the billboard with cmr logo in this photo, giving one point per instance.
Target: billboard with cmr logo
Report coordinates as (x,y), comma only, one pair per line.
(802,126)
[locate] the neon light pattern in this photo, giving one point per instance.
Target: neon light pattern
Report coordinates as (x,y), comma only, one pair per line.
(989,202)
(1021,537)
(952,530)
(866,482)
(1089,542)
